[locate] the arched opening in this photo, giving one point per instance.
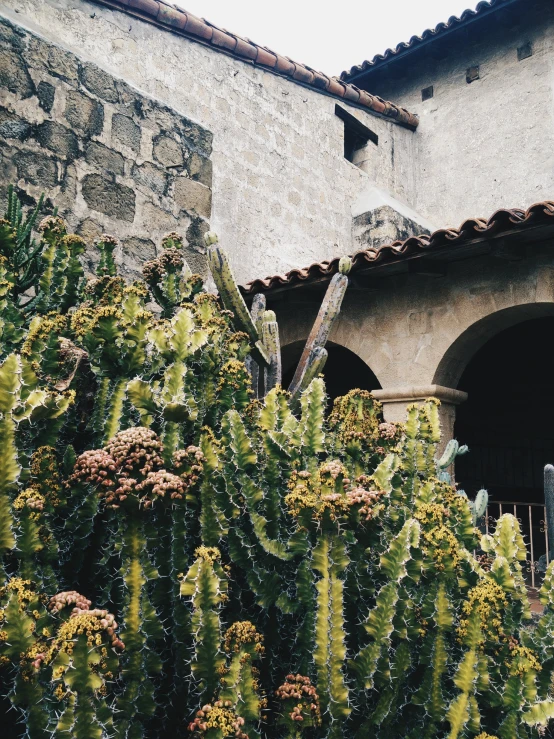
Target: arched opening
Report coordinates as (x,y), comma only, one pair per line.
(508,419)
(343,370)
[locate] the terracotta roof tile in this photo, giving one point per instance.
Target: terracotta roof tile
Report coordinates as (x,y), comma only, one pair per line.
(180,21)
(471,229)
(483,8)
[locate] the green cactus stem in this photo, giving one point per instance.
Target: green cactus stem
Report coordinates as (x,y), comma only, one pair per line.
(549,503)
(270,337)
(233,301)
(257,311)
(323,324)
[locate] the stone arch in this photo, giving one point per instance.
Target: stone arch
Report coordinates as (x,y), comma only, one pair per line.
(344,369)
(455,359)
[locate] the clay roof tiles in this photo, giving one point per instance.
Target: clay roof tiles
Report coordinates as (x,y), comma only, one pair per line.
(474,228)
(483,8)
(184,23)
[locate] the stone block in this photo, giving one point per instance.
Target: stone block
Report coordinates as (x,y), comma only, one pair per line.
(135,251)
(109,197)
(10,36)
(126,132)
(58,139)
(58,62)
(98,82)
(153,219)
(8,172)
(36,168)
(200,169)
(84,114)
(98,155)
(14,74)
(193,196)
(152,177)
(90,230)
(12,126)
(167,151)
(46,94)
(195,234)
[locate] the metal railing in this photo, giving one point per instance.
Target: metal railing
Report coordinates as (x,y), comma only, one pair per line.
(532,519)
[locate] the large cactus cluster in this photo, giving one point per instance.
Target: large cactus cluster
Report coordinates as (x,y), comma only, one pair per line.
(188,549)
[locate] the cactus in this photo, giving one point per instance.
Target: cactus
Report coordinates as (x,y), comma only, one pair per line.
(327,315)
(276,569)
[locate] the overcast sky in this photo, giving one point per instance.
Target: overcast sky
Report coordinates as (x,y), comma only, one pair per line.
(328,35)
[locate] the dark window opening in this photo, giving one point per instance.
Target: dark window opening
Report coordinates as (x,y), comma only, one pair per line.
(427,93)
(356,135)
(524,51)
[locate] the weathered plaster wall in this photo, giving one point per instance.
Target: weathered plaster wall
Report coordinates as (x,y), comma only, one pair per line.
(282,191)
(488,144)
(110,158)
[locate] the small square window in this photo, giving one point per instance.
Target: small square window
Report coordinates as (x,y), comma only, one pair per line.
(472,74)
(524,51)
(427,93)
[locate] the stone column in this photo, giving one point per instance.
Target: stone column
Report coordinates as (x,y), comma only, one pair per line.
(395,400)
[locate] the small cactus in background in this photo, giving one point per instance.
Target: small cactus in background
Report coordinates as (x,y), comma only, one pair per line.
(258,566)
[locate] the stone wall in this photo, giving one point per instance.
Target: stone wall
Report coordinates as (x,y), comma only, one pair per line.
(283,193)
(110,158)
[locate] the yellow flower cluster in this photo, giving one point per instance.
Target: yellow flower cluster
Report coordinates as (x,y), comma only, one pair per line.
(489,600)
(31,499)
(45,473)
(522,660)
(240,634)
(209,554)
(221,717)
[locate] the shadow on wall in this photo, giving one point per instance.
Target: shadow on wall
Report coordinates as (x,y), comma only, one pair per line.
(343,370)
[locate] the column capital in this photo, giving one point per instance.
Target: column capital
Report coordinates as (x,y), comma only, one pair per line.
(419,393)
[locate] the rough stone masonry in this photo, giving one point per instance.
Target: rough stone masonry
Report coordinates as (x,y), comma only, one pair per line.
(111,159)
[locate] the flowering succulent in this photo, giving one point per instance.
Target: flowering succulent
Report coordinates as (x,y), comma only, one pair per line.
(300,700)
(218,721)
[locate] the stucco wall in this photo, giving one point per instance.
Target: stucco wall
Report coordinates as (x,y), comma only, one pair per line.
(488,144)
(111,159)
(282,191)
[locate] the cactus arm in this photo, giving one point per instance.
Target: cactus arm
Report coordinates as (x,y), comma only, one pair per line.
(270,337)
(549,503)
(257,311)
(10,373)
(310,432)
(328,313)
(329,559)
(314,366)
(115,408)
(136,703)
(205,583)
(233,300)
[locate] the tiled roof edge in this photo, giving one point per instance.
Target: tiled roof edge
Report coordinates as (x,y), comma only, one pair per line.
(471,229)
(483,8)
(179,21)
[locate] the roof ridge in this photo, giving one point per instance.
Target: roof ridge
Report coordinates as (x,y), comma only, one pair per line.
(180,21)
(428,34)
(470,228)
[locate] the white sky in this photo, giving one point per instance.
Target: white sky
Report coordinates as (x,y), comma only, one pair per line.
(328,35)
